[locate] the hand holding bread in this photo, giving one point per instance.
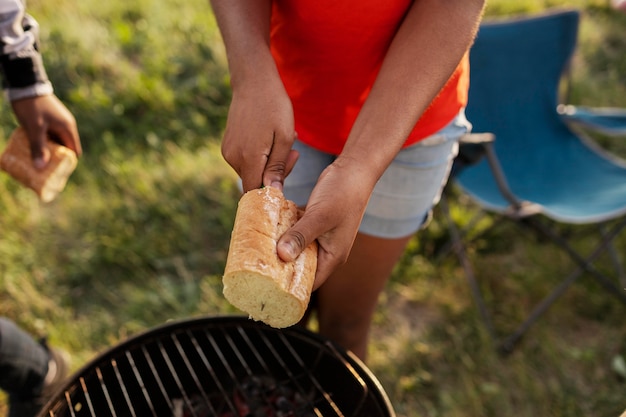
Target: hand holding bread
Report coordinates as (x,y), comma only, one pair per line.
(255,279)
(46,183)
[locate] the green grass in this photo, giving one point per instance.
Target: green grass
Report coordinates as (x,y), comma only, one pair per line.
(140,234)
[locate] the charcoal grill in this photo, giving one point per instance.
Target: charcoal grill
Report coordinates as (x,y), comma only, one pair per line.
(204,367)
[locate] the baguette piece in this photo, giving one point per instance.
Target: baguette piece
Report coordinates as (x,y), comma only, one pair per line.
(255,279)
(50,181)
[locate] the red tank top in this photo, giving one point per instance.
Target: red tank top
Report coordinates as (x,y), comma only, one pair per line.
(328,53)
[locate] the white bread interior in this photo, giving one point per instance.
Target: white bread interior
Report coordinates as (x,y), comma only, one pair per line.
(255,279)
(50,181)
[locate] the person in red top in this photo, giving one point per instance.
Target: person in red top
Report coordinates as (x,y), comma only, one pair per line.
(353,108)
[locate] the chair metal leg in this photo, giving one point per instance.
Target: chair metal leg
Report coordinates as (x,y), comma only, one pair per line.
(508,344)
(584,265)
(459,250)
(617,261)
(449,246)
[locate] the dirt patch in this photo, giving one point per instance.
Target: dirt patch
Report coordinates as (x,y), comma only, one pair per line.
(404,319)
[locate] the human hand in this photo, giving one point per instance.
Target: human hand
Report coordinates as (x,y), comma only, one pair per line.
(332,216)
(619,5)
(259,135)
(46,115)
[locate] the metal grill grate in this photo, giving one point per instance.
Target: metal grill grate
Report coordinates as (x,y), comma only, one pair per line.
(205,367)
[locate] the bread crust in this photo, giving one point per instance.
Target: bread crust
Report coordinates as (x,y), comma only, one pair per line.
(50,181)
(255,279)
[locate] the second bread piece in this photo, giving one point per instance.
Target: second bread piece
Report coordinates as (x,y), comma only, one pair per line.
(255,279)
(50,181)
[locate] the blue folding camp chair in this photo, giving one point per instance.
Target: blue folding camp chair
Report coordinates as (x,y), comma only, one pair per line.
(539,170)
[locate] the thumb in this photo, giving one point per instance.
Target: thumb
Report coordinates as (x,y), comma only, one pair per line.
(295,240)
(280,161)
(291,244)
(304,232)
(40,155)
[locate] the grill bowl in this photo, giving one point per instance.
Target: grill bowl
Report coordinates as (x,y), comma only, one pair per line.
(207,360)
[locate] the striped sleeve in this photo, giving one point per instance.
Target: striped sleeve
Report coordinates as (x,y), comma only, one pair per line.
(21,64)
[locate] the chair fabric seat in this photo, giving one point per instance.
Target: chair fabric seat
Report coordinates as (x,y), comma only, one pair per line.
(565,192)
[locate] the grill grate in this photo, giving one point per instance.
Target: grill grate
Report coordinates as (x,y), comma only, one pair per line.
(211,362)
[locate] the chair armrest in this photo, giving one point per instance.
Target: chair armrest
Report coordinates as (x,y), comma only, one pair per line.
(472,148)
(477,138)
(498,174)
(607,120)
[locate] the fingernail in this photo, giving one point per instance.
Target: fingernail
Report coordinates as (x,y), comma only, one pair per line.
(289,249)
(277,184)
(39,163)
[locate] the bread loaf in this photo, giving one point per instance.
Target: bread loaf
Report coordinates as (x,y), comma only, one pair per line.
(255,279)
(50,181)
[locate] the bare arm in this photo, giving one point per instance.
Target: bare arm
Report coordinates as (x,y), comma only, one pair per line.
(424,53)
(260,127)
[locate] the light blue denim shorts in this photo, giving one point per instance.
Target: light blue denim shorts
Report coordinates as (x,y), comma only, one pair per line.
(406,193)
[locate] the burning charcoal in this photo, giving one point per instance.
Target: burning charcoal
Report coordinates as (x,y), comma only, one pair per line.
(284,406)
(285,391)
(263,396)
(252,387)
(243,409)
(300,399)
(264,412)
(199,407)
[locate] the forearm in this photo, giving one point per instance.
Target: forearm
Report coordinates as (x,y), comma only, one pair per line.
(23,72)
(429,45)
(245,29)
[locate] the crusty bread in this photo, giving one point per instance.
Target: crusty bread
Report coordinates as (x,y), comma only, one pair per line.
(255,279)
(50,181)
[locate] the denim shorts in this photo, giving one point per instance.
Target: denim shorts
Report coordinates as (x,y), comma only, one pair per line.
(404,196)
